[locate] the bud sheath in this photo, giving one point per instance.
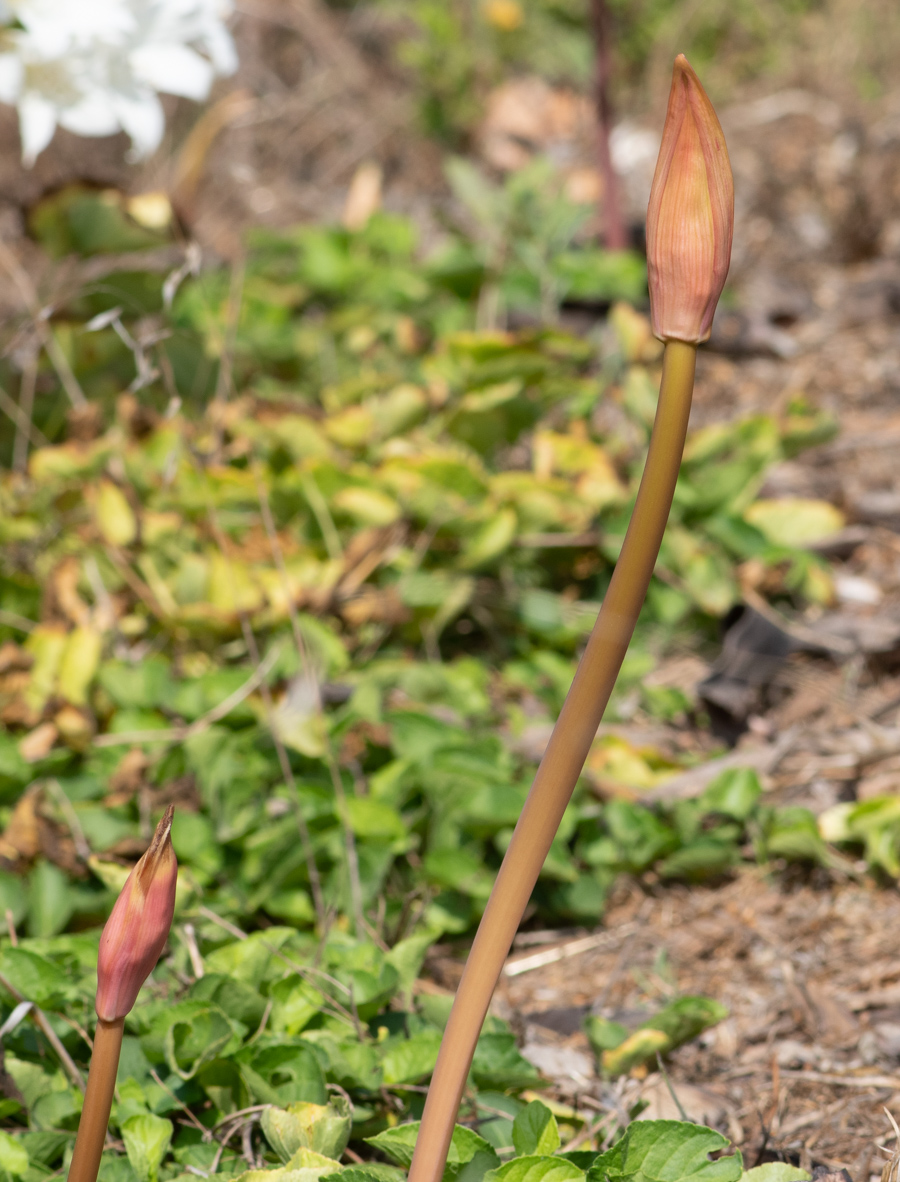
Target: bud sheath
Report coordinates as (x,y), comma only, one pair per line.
(137,930)
(690,217)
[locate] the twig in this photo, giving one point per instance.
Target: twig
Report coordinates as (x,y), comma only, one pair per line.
(675,1098)
(11,928)
(223,923)
(65,806)
(846,1081)
(39,315)
(50,1034)
(137,585)
(810,1118)
(180,734)
(189,936)
(242,1112)
(207,1135)
(24,427)
(247,1143)
(263,1022)
(537,960)
(13,411)
(77,1027)
(588,1133)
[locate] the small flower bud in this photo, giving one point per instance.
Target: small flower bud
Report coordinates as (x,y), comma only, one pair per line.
(136,931)
(690,217)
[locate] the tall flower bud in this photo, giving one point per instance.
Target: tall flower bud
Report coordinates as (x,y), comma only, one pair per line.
(137,930)
(690,217)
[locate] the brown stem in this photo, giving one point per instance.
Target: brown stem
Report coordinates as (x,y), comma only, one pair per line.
(615,232)
(97,1101)
(562,763)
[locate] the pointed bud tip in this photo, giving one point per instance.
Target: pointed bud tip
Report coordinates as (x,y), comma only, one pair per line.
(137,930)
(690,216)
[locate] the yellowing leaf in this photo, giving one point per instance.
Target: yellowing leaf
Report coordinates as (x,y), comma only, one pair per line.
(575,455)
(304,579)
(634,332)
(795,521)
(301,435)
(78,664)
(638,1047)
(353,427)
(69,459)
(549,504)
(155,525)
(621,767)
(46,643)
(400,409)
(600,486)
(232,589)
(367,505)
(115,517)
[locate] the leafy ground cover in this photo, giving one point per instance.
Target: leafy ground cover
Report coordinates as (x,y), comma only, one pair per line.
(315,576)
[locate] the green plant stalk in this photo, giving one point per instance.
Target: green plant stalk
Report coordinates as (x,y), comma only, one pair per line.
(97,1101)
(563,761)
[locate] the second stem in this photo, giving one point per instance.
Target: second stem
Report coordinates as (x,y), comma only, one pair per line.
(563,761)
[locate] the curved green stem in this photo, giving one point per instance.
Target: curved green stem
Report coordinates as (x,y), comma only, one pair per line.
(97,1101)
(562,763)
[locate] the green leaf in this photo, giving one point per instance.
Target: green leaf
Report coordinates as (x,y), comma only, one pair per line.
(734,793)
(498,1063)
(34,977)
(281,1074)
(795,521)
(189,1034)
(398,1144)
(370,1171)
(323,1128)
(535,1131)
(147,1140)
(409,1060)
(685,1018)
(775,1171)
(308,1166)
(603,1034)
(667,1151)
(13,1156)
(536,1168)
(50,900)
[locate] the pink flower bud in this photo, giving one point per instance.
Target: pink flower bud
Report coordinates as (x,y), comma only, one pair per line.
(690,217)
(137,930)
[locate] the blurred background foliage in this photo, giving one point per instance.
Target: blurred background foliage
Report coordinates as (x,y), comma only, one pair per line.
(457,51)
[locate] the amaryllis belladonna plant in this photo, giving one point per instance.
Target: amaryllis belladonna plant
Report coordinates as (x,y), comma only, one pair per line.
(134,936)
(689,228)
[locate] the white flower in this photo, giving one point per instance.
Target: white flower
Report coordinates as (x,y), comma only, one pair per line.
(95,68)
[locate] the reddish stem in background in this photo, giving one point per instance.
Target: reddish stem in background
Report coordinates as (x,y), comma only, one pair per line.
(615,232)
